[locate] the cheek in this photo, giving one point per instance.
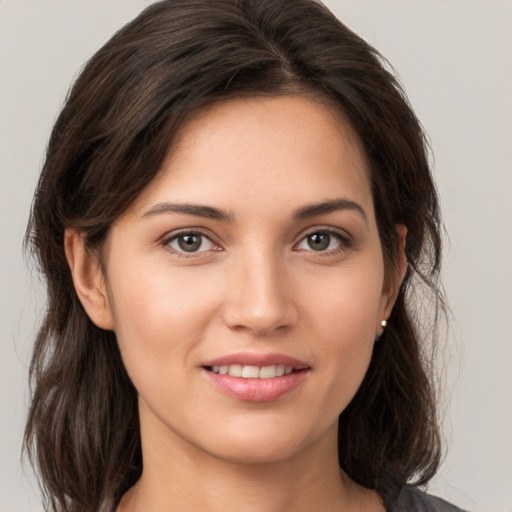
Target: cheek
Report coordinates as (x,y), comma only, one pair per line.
(347,303)
(344,319)
(158,317)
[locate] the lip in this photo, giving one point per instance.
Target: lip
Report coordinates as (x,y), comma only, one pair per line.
(253,359)
(256,390)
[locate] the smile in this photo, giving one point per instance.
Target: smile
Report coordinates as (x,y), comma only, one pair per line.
(252,372)
(250,377)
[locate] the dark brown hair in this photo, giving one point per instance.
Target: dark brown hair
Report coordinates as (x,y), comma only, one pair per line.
(109,142)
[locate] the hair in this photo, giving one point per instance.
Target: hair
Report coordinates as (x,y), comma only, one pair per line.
(109,142)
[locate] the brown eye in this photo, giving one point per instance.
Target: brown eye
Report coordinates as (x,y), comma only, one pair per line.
(323,241)
(190,243)
(319,241)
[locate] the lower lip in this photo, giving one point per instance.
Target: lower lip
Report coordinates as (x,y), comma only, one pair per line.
(256,390)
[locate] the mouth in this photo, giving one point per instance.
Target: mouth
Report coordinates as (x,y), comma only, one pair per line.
(256,378)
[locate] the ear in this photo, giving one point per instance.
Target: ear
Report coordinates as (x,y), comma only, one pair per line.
(394,281)
(88,280)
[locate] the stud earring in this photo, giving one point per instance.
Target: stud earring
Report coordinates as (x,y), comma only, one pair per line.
(383,325)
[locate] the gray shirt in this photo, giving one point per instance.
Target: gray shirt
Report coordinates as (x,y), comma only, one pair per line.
(412,499)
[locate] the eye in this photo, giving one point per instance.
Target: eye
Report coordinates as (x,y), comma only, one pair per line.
(323,241)
(190,243)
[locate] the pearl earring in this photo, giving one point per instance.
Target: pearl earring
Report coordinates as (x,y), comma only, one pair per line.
(383,325)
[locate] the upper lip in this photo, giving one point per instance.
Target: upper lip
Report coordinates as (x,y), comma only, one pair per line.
(260,360)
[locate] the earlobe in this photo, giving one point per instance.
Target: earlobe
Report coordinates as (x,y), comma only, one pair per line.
(88,280)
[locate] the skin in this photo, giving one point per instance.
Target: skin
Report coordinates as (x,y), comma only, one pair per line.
(255,285)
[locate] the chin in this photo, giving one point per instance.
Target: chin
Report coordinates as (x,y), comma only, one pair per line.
(261,442)
(259,452)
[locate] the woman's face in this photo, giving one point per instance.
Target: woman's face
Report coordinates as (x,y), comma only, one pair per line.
(255,251)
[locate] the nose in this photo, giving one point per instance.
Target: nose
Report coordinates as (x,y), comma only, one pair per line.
(259,297)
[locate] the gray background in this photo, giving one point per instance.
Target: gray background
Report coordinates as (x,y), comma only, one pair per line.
(454,58)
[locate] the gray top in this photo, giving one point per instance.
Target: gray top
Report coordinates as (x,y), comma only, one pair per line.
(412,499)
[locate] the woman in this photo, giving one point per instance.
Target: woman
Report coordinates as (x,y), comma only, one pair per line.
(234,212)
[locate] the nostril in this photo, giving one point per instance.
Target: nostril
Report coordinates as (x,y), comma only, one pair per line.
(260,323)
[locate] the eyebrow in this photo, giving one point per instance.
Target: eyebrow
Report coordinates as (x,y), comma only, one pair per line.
(209,212)
(333,205)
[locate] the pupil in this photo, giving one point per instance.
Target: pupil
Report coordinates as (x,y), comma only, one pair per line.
(189,243)
(319,241)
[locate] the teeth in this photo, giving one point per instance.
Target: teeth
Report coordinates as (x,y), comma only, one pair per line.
(253,372)
(250,372)
(235,370)
(268,372)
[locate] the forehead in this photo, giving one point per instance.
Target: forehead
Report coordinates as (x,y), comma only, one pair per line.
(257,151)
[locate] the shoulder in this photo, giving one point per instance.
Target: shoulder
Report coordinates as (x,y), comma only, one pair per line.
(411,499)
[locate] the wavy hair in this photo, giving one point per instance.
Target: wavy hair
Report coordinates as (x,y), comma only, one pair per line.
(109,142)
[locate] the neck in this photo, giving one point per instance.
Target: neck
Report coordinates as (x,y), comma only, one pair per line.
(179,476)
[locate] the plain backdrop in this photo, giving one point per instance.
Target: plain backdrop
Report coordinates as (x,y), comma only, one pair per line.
(454,58)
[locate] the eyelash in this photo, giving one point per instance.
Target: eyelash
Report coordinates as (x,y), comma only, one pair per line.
(344,241)
(183,254)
